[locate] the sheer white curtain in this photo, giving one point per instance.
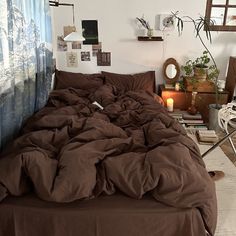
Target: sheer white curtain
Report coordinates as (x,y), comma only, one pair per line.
(25,62)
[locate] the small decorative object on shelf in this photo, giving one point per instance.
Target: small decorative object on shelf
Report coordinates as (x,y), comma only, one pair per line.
(177,86)
(221,85)
(146,25)
(192,109)
(150,32)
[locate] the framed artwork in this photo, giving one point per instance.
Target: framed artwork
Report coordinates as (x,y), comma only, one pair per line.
(76,45)
(72,59)
(104,58)
(85,56)
(90,31)
(96,48)
(61,44)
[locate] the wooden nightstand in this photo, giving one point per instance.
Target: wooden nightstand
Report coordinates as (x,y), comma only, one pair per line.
(182,99)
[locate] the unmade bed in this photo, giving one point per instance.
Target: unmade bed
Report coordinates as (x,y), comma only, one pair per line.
(120,166)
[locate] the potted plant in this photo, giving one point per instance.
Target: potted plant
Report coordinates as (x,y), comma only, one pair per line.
(213,72)
(199,66)
(199,74)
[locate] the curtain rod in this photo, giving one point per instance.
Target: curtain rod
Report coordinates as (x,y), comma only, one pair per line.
(57,4)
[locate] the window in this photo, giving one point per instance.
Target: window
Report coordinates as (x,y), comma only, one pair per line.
(223,13)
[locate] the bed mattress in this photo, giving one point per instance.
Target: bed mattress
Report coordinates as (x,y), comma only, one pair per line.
(104,216)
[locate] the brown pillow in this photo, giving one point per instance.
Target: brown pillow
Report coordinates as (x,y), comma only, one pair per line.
(126,82)
(64,79)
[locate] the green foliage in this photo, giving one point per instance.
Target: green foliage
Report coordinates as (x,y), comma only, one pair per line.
(201,62)
(213,73)
(188,68)
(200,24)
(144,23)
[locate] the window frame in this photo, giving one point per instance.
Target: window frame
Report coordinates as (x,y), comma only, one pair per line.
(223,27)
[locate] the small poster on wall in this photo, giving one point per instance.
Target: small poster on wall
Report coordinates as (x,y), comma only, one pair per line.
(96,48)
(76,45)
(61,44)
(72,59)
(90,31)
(104,59)
(85,56)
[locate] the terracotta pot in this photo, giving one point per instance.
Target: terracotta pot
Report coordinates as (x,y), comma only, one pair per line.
(200,73)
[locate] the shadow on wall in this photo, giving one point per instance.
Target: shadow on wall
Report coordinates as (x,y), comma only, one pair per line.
(226,42)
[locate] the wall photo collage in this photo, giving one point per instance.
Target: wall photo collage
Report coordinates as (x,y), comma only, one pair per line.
(90,33)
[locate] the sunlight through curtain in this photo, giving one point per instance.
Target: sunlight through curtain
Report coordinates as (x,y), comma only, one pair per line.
(25,62)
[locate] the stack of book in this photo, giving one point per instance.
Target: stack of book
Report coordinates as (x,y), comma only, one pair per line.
(207,136)
(169,86)
(193,122)
(177,114)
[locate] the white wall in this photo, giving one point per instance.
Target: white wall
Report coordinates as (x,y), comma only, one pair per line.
(118,32)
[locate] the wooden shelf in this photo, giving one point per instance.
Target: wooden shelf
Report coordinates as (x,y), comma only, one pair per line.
(146,38)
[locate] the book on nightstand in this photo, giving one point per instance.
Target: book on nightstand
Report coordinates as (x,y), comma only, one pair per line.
(189,122)
(187,116)
(193,121)
(169,86)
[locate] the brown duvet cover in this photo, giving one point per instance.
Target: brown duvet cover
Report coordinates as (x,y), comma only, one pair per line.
(72,149)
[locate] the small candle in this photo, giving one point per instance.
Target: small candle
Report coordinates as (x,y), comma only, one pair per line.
(170,104)
(177,86)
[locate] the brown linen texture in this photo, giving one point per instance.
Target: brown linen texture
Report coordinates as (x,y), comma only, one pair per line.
(73,150)
(64,80)
(131,82)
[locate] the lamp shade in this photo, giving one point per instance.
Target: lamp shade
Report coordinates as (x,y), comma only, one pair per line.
(74,37)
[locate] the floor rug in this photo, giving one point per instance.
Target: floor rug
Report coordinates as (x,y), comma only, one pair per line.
(225,189)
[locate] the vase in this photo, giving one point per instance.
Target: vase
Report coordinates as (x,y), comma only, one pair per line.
(213,117)
(150,33)
(192,110)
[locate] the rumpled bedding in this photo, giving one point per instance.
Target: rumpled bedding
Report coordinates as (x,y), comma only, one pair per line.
(71,149)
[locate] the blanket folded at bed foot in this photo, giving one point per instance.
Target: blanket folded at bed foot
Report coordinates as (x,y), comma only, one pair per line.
(71,149)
